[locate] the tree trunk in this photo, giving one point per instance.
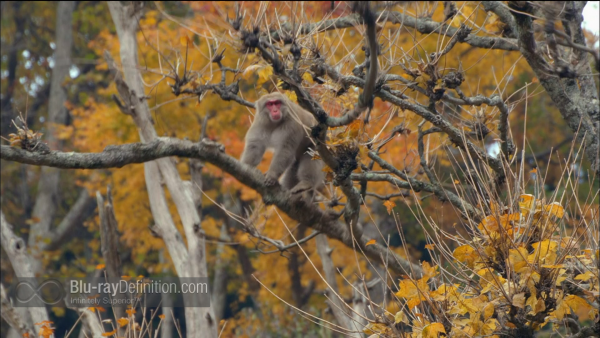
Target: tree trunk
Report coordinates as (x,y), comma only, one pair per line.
(200,322)
(47,196)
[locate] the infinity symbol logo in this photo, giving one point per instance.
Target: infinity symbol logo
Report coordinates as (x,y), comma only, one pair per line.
(49,292)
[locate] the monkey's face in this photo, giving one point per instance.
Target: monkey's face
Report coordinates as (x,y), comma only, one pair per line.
(275,109)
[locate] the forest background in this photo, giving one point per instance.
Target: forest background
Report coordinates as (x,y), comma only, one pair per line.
(62,89)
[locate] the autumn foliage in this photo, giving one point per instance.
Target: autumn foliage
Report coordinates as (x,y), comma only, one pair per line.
(461,166)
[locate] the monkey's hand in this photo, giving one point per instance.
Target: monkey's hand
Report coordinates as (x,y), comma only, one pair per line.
(270,181)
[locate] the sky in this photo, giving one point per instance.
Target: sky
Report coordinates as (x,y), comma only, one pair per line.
(590,16)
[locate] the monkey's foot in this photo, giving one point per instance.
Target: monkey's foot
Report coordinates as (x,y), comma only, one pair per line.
(270,181)
(300,188)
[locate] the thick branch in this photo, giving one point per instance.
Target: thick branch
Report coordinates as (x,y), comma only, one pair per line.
(118,156)
(503,13)
(336,303)
(21,261)
(10,315)
(576,109)
(109,239)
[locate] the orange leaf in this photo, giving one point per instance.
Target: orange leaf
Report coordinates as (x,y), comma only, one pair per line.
(162,316)
(371,242)
(109,333)
(389,205)
(100,266)
(97,308)
(123,321)
(429,246)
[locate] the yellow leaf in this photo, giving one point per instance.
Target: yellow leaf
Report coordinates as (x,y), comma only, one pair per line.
(585,276)
(488,310)
(371,242)
(573,304)
(292,96)
(151,21)
(518,300)
(376,328)
(446,292)
(553,266)
(185,40)
(466,254)
(264,74)
(536,304)
(517,258)
(389,206)
(408,289)
(307,77)
(544,253)
(433,330)
(526,203)
(401,317)
(579,305)
(555,209)
(430,246)
(430,271)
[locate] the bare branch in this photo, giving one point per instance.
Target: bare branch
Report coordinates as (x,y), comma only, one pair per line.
(82,209)
(422,25)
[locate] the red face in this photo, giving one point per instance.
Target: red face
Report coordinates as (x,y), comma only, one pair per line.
(274,107)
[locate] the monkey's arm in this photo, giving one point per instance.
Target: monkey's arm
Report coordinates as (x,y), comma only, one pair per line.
(254,150)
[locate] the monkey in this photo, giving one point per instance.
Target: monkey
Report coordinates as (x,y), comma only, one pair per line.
(282,124)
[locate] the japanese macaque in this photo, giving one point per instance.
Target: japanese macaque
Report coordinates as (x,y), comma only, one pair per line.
(284,126)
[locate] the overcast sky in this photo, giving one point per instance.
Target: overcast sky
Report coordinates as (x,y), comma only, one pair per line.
(590,16)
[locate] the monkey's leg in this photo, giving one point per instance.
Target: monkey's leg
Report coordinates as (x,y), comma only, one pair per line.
(310,175)
(282,159)
(290,177)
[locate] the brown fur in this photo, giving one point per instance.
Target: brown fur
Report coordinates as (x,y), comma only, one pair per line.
(289,138)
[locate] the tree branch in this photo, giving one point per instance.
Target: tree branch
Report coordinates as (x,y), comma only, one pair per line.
(10,315)
(118,156)
(79,212)
(422,25)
